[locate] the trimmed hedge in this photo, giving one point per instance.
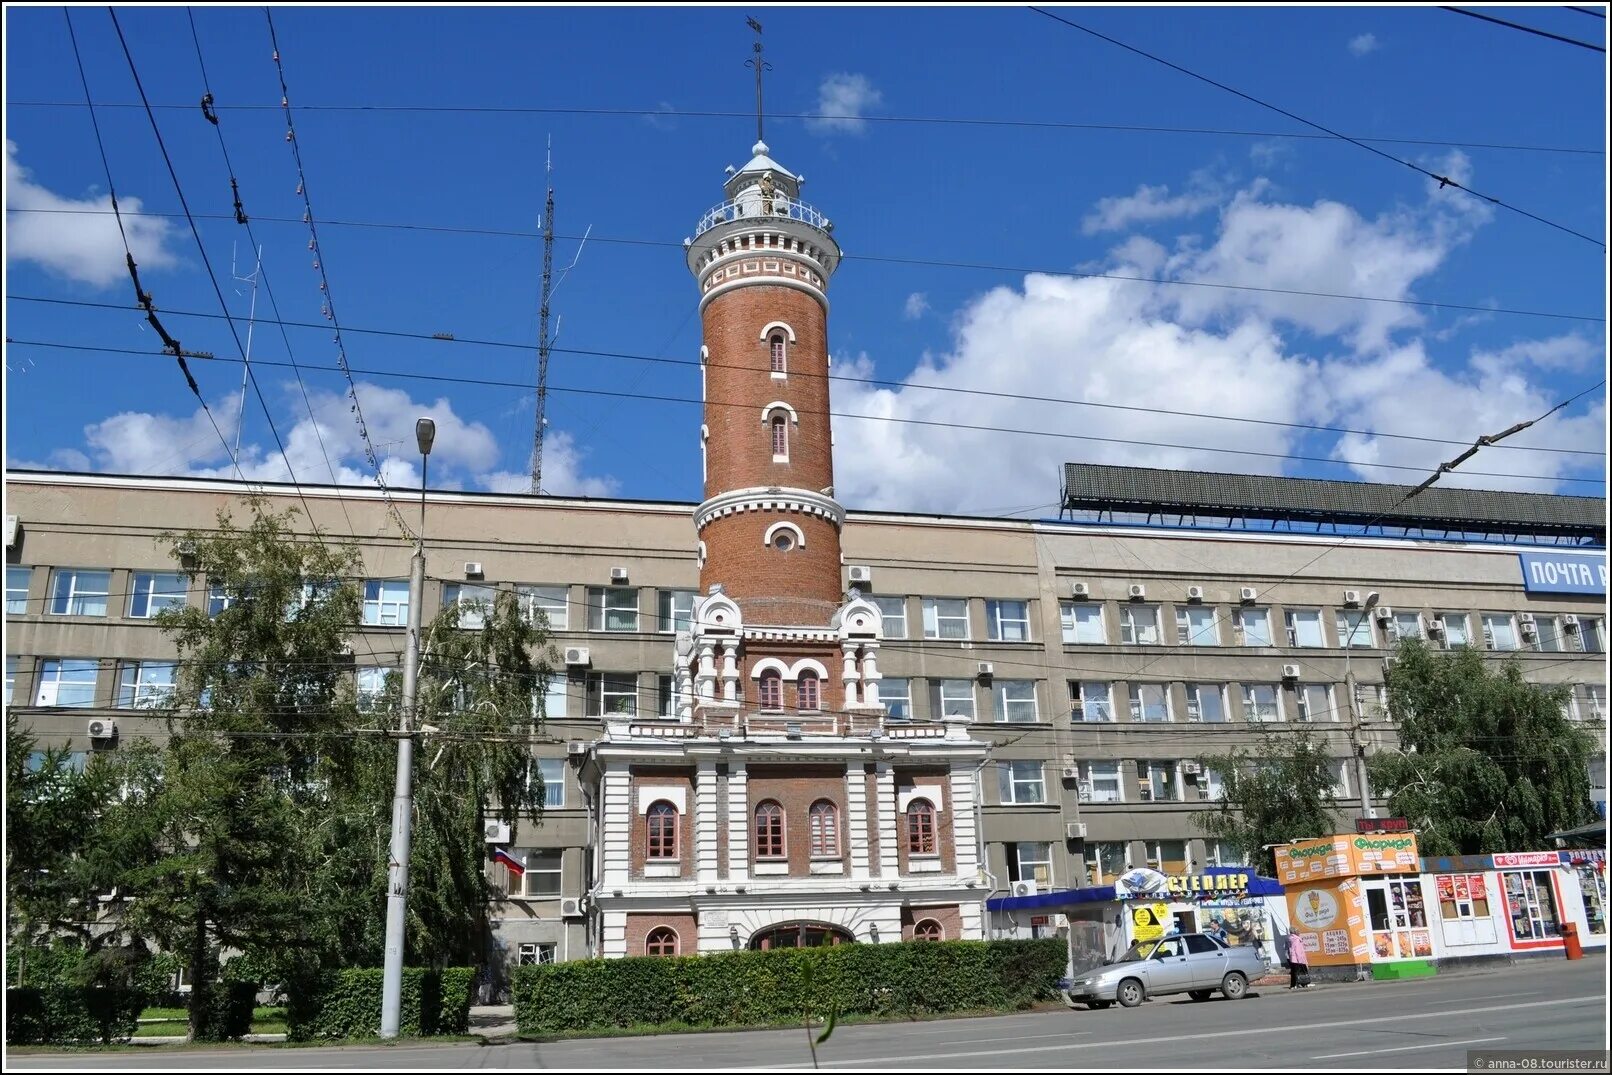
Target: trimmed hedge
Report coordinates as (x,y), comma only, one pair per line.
(58,1014)
(347,1004)
(228,1012)
(767,988)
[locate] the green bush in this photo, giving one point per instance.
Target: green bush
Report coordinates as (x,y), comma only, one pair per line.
(57,1014)
(347,1003)
(767,988)
(227,1011)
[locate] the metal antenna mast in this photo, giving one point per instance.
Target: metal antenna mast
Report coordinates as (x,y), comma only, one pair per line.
(760,65)
(543,341)
(251,323)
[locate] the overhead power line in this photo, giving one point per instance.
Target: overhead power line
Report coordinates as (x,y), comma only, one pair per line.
(1587,11)
(1526,29)
(978,266)
(1443,180)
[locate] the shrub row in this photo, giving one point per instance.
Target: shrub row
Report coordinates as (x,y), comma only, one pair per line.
(39,1015)
(767,988)
(347,1004)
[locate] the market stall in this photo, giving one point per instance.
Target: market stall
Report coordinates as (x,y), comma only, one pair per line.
(1357,902)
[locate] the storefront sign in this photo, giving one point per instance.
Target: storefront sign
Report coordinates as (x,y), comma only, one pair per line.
(1147,921)
(1317,908)
(1382,824)
(1140,883)
(1513,860)
(1580,856)
(1346,856)
(1563,572)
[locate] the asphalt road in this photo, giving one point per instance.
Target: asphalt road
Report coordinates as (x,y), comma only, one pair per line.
(1423,1023)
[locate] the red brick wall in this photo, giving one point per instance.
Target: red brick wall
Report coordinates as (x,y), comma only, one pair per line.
(907,779)
(663,777)
(736,558)
(795,788)
(831,687)
(949,917)
(640,925)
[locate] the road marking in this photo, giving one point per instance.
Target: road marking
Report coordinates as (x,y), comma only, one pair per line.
(1407,1048)
(1486,996)
(1016,1037)
(1307,1027)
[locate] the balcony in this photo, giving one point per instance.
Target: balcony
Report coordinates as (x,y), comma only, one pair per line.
(749,209)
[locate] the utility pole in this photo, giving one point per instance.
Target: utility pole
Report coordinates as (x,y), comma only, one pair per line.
(397,881)
(543,340)
(1356,736)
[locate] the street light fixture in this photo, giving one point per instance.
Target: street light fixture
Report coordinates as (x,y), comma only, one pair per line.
(397,888)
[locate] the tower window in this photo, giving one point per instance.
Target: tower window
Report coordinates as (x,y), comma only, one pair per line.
(661,830)
(808,695)
(780,438)
(772,690)
(769,830)
(662,941)
(776,346)
(825,829)
(921,828)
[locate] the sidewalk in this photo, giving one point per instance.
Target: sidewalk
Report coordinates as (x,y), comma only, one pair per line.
(492,1021)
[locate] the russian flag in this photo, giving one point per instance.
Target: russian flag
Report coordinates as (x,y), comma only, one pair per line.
(511,863)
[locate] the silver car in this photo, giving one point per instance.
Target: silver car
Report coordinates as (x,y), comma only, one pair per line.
(1192,963)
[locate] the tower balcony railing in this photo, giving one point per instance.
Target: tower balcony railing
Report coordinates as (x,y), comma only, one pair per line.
(750,210)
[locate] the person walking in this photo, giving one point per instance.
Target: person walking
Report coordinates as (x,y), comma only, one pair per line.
(1298,963)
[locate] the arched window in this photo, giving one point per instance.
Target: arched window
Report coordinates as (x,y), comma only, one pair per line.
(921,828)
(800,935)
(662,941)
(772,690)
(661,826)
(770,830)
(825,827)
(928,930)
(780,437)
(808,693)
(776,346)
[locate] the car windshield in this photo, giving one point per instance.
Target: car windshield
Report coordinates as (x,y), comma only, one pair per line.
(1139,950)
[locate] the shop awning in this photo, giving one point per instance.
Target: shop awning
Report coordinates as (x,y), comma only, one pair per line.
(1591,835)
(1071,897)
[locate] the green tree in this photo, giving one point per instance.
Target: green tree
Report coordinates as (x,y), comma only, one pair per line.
(1277,793)
(1486,761)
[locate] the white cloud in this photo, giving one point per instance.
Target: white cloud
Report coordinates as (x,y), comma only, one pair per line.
(1148,205)
(916,306)
(842,100)
(562,472)
(79,238)
(1363,43)
(664,118)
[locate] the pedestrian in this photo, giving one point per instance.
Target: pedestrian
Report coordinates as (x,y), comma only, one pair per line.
(1217,930)
(1298,963)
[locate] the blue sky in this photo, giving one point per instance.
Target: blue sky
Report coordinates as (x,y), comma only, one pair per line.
(1256,209)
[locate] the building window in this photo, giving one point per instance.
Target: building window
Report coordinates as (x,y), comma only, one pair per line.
(1167,856)
(1021,783)
(1548,634)
(1158,781)
(676,610)
(776,347)
(1206,703)
(1082,623)
(551,704)
(77,592)
(1589,634)
(1015,701)
(1211,786)
(1457,631)
(1406,625)
(552,771)
(1220,853)
(1499,631)
(146,685)
(1315,702)
(928,930)
(1100,782)
(547,601)
(1139,625)
(896,694)
(1340,777)
(1150,702)
(946,617)
(386,603)
(1092,700)
(154,591)
(1355,629)
(612,608)
(893,611)
(541,881)
(1031,861)
(921,835)
(952,698)
(17,590)
(1007,621)
(1196,626)
(11,677)
(667,696)
(770,830)
(660,825)
(536,954)
(808,693)
(218,599)
(784,537)
(1253,626)
(1304,628)
(780,438)
(1261,702)
(67,682)
(1106,860)
(772,690)
(1590,702)
(825,829)
(662,941)
(612,693)
(475,603)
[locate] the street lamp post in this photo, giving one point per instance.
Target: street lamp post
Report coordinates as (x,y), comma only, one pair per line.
(397,888)
(1355,737)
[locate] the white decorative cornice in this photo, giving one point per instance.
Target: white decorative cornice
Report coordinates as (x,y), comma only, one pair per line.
(773,498)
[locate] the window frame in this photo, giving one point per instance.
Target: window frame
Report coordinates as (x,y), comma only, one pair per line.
(938,698)
(17,596)
(1301,702)
(1009,780)
(1465,621)
(1112,769)
(1363,622)
(63,604)
(921,831)
(537,862)
(1021,860)
(1187,635)
(1250,708)
(662,941)
(1267,637)
(775,838)
(1138,704)
(537,597)
(997,624)
(770,690)
(131,694)
(1081,704)
(42,670)
(808,701)
(662,842)
(1194,689)
(1128,625)
(823,826)
(1070,623)
(905,698)
(1295,618)
(1590,634)
(1396,625)
(928,930)
(668,613)
(778,428)
(884,613)
(470,618)
(1002,705)
(601,610)
(379,603)
(596,691)
(1097,871)
(552,770)
(778,352)
(143,588)
(1148,791)
(367,698)
(932,615)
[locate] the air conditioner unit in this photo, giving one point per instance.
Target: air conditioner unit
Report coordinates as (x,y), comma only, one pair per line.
(1024,888)
(618,574)
(1137,591)
(1351,598)
(986,669)
(577,655)
(1247,595)
(1075,830)
(346,649)
(860,573)
(1570,621)
(1530,629)
(11,531)
(1194,593)
(1081,590)
(103,728)
(1435,626)
(1290,671)
(1384,613)
(472,569)
(185,548)
(496,832)
(571,908)
(1190,768)
(1525,617)
(574,747)
(1085,791)
(1071,772)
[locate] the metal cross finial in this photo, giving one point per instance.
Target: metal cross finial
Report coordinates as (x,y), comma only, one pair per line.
(760,65)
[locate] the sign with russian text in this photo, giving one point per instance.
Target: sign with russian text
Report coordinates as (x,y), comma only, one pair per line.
(1563,572)
(1382,824)
(1526,858)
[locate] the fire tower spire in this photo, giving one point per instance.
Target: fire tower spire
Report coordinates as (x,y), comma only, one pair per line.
(760,65)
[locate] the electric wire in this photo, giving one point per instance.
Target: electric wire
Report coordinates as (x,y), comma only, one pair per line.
(1525,29)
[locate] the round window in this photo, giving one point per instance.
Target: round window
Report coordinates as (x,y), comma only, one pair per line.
(783,541)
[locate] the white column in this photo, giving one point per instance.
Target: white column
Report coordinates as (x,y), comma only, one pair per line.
(738,823)
(707,669)
(856,811)
(972,912)
(885,802)
(870,674)
(613,934)
(965,836)
(730,671)
(705,823)
(615,838)
(685,694)
(848,675)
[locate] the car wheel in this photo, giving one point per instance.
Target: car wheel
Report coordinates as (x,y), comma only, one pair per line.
(1130,993)
(1200,994)
(1234,986)
(1097,1005)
